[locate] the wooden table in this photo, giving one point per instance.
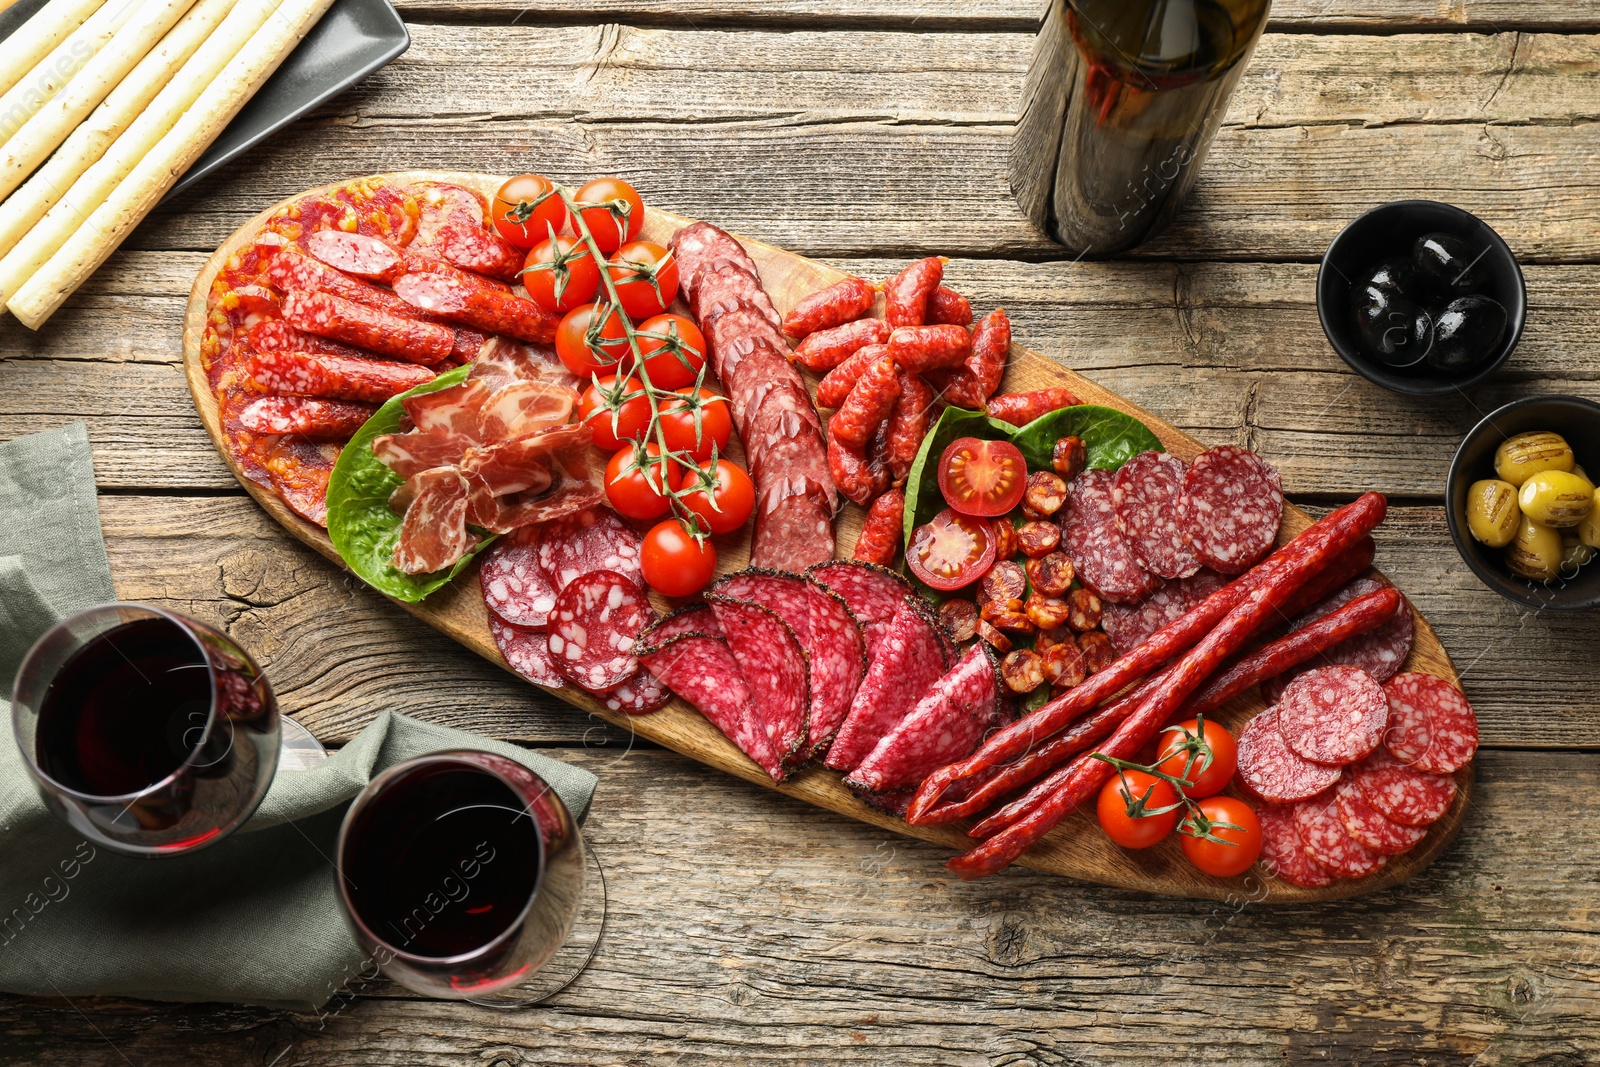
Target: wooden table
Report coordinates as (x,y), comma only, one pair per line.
(748,928)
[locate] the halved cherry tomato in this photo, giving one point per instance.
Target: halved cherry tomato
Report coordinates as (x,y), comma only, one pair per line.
(678,423)
(589,345)
(980,477)
(617,215)
(616,415)
(526,209)
(1138,791)
(1187,743)
(561,274)
(1242,847)
(674,563)
(646,277)
(732,491)
(635,486)
(674,351)
(951,551)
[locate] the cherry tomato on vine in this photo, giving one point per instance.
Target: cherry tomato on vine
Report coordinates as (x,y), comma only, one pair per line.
(678,423)
(674,355)
(561,274)
(674,563)
(583,355)
(1243,844)
(1142,792)
(615,202)
(733,493)
(526,209)
(646,277)
(636,487)
(952,551)
(615,416)
(1182,742)
(980,477)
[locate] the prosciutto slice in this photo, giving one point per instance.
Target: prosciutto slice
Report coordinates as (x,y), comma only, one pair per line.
(434,534)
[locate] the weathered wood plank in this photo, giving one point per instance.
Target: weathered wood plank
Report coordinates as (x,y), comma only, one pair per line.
(850,947)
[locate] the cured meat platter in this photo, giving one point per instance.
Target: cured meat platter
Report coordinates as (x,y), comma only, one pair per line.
(1077,848)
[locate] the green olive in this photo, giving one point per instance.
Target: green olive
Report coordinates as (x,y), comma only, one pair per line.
(1492,513)
(1589,528)
(1574,553)
(1536,552)
(1527,454)
(1556,498)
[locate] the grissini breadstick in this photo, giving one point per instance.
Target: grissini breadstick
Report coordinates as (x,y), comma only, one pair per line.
(46,77)
(97,181)
(44,132)
(25,207)
(100,234)
(34,39)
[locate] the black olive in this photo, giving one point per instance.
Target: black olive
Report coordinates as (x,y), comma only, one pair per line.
(1395,276)
(1466,333)
(1393,329)
(1449,265)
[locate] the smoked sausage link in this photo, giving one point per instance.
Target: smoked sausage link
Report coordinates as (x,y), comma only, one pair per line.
(826,349)
(1019,409)
(871,400)
(924,348)
(905,296)
(880,534)
(839,303)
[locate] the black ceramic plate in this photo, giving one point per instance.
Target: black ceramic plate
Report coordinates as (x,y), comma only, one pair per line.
(352,40)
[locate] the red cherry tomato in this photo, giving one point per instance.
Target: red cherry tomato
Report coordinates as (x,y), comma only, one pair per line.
(561,274)
(646,277)
(980,477)
(1243,845)
(678,423)
(615,415)
(951,551)
(674,563)
(637,487)
(587,346)
(526,209)
(674,350)
(1130,789)
(733,493)
(1187,742)
(617,215)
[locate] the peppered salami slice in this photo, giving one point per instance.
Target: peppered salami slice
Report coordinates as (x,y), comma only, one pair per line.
(1271,770)
(1431,725)
(873,594)
(514,586)
(1370,826)
(1146,495)
(1379,652)
(1130,625)
(692,619)
(596,620)
(1402,793)
(1333,715)
(774,667)
(702,671)
(639,694)
(1231,508)
(1089,534)
(591,540)
(527,652)
(913,654)
(1325,840)
(1282,853)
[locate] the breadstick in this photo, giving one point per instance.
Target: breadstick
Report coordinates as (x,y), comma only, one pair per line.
(34,39)
(35,88)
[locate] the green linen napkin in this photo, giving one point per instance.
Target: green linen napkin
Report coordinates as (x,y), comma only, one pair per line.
(255,919)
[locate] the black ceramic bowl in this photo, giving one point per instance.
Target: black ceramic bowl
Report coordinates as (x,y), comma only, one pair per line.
(1389,231)
(1576,419)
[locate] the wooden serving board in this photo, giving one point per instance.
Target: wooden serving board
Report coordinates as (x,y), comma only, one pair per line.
(1077,848)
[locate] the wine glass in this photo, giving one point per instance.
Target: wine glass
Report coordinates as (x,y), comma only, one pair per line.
(463,874)
(149,733)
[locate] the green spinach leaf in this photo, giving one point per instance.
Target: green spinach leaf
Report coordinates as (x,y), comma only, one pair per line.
(1110,438)
(923,499)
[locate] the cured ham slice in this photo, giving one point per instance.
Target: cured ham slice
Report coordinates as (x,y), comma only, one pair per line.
(434,533)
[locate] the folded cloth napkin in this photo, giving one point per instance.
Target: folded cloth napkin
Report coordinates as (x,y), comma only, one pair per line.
(255,919)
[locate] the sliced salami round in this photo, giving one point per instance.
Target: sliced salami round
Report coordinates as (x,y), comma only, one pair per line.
(597,619)
(1282,853)
(514,585)
(639,694)
(873,594)
(592,540)
(1146,494)
(1201,585)
(1101,555)
(690,619)
(1431,725)
(1333,715)
(1232,506)
(1270,770)
(1370,826)
(527,652)
(1325,840)
(1380,652)
(1130,625)
(1402,793)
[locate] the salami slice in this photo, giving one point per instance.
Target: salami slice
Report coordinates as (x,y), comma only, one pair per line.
(593,626)
(702,248)
(702,671)
(639,694)
(1431,725)
(478,306)
(944,726)
(333,377)
(1232,506)
(1201,585)
(1146,494)
(1089,534)
(527,652)
(1379,652)
(774,667)
(911,657)
(1323,836)
(1371,827)
(692,619)
(355,253)
(591,540)
(344,320)
(477,249)
(324,420)
(1271,771)
(874,595)
(1333,715)
(1282,853)
(1402,793)
(1130,625)
(515,588)
(275,335)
